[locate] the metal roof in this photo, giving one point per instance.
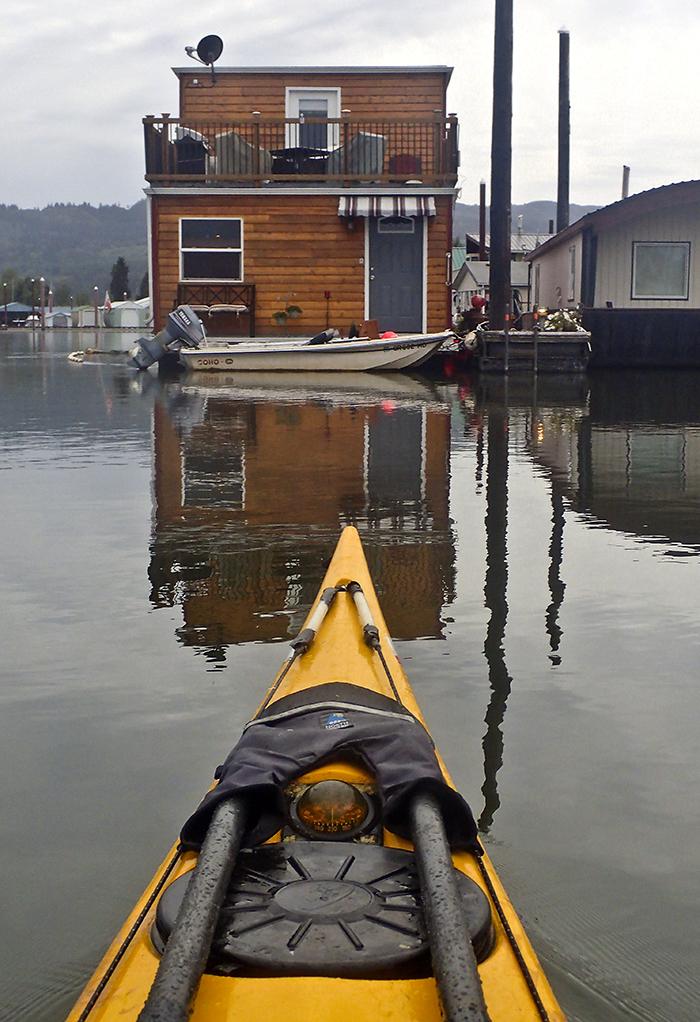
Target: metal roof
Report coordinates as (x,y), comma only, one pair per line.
(675,194)
(480,272)
(518,242)
(423,69)
(458,257)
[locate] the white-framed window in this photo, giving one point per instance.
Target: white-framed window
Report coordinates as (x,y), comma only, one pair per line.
(211,248)
(660,269)
(396,225)
(312,103)
(572,273)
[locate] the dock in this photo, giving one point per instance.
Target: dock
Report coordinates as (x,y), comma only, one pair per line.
(536,351)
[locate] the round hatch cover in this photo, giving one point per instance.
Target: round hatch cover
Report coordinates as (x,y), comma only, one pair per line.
(320,908)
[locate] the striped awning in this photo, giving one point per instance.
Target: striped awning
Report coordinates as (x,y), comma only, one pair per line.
(386,205)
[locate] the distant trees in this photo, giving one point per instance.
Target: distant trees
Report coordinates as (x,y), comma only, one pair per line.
(144,288)
(119,281)
(75,244)
(20,289)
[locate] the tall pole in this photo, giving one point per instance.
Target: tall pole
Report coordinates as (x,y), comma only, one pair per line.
(4,298)
(564,133)
(482,221)
(42,303)
(501,155)
(96,303)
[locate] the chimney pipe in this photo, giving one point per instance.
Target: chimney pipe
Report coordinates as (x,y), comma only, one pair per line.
(551,227)
(482,221)
(564,133)
(625,181)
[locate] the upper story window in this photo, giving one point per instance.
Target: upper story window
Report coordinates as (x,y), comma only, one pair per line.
(211,248)
(308,104)
(660,269)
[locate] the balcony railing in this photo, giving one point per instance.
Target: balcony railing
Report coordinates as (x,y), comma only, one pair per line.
(340,151)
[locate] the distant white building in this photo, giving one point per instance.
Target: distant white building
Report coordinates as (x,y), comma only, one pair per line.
(84,316)
(473,279)
(642,252)
(59,318)
(129,314)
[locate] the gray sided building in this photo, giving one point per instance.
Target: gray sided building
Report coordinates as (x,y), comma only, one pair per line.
(633,266)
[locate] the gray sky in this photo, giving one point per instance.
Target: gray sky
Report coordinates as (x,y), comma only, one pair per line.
(77,77)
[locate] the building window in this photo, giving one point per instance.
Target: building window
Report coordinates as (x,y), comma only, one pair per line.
(396,225)
(660,269)
(211,249)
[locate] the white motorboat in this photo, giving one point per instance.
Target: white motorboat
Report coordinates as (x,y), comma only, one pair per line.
(330,355)
(184,335)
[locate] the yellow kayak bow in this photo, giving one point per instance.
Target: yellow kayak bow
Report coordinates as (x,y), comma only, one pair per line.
(338,877)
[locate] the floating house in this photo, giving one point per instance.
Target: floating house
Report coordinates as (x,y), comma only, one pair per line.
(59,318)
(289,199)
(84,316)
(521,245)
(634,266)
(473,279)
(128,315)
(15,313)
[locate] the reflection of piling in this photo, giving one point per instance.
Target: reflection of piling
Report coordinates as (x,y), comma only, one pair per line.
(495,598)
(501,152)
(556,586)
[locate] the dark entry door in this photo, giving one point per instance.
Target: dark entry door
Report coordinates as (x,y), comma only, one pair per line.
(396,283)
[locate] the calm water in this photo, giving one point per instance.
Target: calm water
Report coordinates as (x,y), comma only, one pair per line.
(536,552)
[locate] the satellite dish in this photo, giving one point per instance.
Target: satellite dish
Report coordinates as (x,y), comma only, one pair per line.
(209,49)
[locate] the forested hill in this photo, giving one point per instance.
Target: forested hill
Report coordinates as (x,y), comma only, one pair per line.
(74,246)
(536,217)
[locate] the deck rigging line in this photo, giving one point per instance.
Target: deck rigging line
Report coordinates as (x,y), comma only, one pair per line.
(121,951)
(527,975)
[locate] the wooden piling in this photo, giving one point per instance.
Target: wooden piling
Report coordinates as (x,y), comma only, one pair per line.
(500,296)
(564,133)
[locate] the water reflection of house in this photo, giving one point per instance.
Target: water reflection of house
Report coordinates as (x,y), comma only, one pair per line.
(250,495)
(633,461)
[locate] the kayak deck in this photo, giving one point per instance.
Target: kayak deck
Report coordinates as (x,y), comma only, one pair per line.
(514,985)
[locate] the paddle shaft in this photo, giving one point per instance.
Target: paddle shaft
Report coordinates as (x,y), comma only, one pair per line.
(189,943)
(370,632)
(451,951)
(304,639)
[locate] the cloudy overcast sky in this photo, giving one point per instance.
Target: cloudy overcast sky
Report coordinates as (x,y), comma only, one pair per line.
(78,76)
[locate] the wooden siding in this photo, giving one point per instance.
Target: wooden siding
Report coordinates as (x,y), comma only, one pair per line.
(295,249)
(367,96)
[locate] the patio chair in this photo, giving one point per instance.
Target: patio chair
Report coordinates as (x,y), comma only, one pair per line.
(363,155)
(234,156)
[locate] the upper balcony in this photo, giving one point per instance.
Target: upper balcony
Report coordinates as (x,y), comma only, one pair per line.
(299,151)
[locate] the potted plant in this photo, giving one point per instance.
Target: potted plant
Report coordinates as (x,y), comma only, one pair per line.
(289,311)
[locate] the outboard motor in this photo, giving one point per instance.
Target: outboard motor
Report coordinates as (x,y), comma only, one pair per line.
(184,329)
